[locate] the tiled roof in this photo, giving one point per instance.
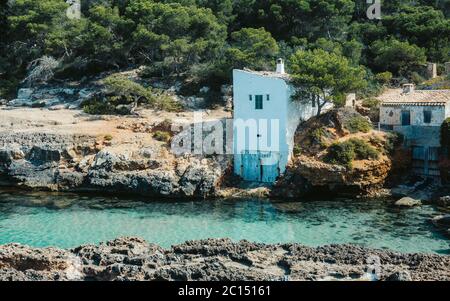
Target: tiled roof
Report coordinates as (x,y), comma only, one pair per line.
(418,97)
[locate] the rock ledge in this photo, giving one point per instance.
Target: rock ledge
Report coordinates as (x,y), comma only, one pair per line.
(215,259)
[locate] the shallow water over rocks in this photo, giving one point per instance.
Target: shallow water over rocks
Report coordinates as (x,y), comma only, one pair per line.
(68,220)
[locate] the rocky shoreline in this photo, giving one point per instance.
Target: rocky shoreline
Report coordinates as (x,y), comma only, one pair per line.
(216,259)
(92,163)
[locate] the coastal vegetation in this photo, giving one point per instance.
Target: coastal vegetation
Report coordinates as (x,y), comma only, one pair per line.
(198,42)
(358,124)
(121,95)
(325,74)
(343,153)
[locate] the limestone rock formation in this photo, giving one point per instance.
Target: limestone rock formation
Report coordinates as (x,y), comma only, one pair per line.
(82,163)
(407,202)
(312,170)
(215,259)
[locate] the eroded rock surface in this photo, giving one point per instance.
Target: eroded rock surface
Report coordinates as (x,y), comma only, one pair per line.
(216,259)
(133,163)
(310,170)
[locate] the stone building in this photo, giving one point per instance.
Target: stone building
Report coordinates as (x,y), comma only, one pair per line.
(265,120)
(418,116)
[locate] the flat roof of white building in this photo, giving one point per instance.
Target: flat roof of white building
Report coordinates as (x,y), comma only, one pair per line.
(283,76)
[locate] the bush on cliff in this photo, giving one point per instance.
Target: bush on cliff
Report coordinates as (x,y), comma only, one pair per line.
(343,153)
(371,103)
(162,136)
(340,154)
(364,151)
(358,124)
(393,141)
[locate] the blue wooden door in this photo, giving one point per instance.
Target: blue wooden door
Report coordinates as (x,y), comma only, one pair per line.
(269,173)
(251,167)
(260,167)
(269,167)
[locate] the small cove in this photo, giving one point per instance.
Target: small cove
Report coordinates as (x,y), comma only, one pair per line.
(68,220)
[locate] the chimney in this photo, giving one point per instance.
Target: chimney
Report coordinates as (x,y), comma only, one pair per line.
(280,66)
(408,88)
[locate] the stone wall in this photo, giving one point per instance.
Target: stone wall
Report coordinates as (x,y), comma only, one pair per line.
(391,115)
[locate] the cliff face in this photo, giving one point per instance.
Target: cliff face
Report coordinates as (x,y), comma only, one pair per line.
(81,153)
(215,259)
(314,168)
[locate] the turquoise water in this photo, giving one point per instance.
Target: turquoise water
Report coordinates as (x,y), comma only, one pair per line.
(41,220)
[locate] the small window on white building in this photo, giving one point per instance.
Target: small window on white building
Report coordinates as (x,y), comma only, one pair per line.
(258,102)
(250,97)
(427,116)
(267,97)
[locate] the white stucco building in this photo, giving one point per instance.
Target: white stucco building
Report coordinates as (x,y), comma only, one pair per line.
(265,121)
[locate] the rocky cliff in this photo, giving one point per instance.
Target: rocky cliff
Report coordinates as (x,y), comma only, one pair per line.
(216,259)
(71,151)
(340,152)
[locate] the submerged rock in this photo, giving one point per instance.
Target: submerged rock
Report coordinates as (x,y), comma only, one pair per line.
(442,221)
(214,259)
(407,202)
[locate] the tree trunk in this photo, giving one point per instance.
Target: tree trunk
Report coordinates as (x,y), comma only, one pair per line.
(320,106)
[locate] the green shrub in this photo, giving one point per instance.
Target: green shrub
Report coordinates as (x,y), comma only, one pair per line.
(358,124)
(416,78)
(297,150)
(108,137)
(317,135)
(122,93)
(96,106)
(341,154)
(393,141)
(8,87)
(166,102)
(162,136)
(371,103)
(363,151)
(125,91)
(384,78)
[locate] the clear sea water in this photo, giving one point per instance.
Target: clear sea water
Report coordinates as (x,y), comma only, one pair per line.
(67,220)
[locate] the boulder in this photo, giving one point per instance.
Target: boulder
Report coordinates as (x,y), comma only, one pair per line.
(400,276)
(442,221)
(57,107)
(24,93)
(444,201)
(407,202)
(204,90)
(18,102)
(40,155)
